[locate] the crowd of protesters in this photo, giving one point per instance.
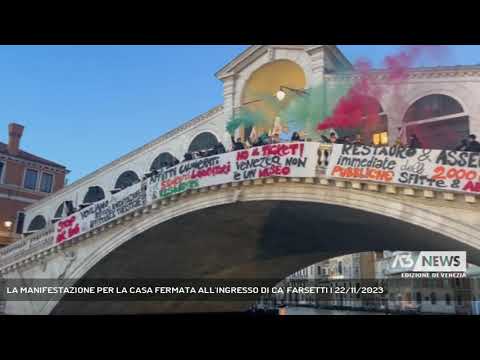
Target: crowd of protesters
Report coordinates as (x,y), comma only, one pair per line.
(239,144)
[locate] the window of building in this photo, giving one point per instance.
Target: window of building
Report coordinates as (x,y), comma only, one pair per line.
(438,121)
(94,194)
(64,209)
(163,160)
(319,270)
(380,138)
(38,223)
(459,300)
(433,298)
(419,297)
(340,267)
(30,181)
(128,178)
(2,166)
(203,141)
(60,211)
(46,184)
(432,106)
(20,221)
(447,299)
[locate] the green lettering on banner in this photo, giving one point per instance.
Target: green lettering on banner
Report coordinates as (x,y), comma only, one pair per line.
(192,184)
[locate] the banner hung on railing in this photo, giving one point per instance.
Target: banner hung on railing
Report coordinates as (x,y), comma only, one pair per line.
(128,200)
(449,170)
(283,160)
(288,160)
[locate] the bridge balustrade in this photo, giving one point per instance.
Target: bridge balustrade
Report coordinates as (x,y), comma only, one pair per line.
(42,241)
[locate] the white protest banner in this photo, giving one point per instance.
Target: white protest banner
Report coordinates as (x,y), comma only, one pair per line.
(450,170)
(283,160)
(128,200)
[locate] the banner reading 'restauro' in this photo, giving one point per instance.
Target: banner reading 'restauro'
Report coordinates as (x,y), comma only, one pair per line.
(438,169)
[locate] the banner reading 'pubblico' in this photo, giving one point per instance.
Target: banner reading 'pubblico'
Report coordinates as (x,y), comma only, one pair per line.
(457,171)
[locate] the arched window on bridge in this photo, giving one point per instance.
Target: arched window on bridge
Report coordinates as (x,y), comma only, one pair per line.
(373,127)
(438,121)
(64,209)
(128,178)
(163,160)
(59,213)
(38,223)
(93,195)
(203,141)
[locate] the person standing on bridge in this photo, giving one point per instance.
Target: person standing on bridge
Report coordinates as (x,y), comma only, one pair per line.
(237,145)
(295,136)
(413,142)
(220,149)
(358,140)
(472,144)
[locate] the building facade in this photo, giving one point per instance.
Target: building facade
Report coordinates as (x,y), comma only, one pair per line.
(342,271)
(24,179)
(427,295)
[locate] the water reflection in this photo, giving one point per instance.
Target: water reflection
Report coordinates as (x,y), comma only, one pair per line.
(297,310)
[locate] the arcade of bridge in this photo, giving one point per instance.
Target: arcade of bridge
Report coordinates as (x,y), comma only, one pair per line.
(260,236)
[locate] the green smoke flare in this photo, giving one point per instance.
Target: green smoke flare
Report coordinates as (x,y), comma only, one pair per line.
(302,112)
(305,112)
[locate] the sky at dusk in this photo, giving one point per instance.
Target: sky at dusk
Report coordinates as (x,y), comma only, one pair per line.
(85,106)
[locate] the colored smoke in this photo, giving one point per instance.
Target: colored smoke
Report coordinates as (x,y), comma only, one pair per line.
(303,111)
(297,113)
(359,108)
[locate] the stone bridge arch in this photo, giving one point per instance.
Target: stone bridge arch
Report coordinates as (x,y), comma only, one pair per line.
(250,241)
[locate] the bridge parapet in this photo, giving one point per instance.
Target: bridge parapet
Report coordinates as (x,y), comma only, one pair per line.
(173,186)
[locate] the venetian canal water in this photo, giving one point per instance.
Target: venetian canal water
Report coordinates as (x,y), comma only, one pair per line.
(299,310)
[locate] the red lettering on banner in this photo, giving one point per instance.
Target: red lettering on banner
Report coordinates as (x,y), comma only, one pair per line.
(67,229)
(242,155)
(472,186)
(368,173)
(211,171)
(274,171)
(255,152)
(175,181)
(280,149)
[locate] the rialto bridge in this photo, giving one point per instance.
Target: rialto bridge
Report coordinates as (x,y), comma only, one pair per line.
(253,219)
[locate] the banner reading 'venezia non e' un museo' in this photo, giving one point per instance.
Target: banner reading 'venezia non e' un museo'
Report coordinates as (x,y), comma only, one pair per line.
(285,160)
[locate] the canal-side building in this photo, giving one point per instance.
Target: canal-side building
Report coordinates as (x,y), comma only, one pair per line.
(473,273)
(25,178)
(425,295)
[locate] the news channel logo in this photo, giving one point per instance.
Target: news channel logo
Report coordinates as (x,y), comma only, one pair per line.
(429,264)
